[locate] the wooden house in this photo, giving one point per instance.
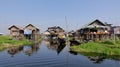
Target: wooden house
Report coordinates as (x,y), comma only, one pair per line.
(95,30)
(16,31)
(116,29)
(31,31)
(109,28)
(96,27)
(71,33)
(28,31)
(31,27)
(55,31)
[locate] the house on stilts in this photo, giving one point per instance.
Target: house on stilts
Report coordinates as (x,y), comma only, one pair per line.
(29,31)
(16,31)
(55,32)
(95,30)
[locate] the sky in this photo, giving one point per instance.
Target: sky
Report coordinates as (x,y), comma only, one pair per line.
(48,13)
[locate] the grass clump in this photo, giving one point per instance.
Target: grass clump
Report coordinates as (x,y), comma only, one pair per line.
(6,41)
(104,47)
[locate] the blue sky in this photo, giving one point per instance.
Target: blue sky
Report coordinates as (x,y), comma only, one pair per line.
(47,13)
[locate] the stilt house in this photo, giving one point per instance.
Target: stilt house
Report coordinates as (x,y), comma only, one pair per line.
(16,31)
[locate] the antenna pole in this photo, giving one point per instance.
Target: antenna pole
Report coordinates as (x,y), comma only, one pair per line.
(66,30)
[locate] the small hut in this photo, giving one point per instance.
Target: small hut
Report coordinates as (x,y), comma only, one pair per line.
(16,31)
(30,31)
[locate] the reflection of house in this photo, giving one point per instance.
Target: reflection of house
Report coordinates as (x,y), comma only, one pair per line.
(16,31)
(55,45)
(33,48)
(15,49)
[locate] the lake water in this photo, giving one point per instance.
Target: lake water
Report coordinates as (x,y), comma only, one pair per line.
(47,55)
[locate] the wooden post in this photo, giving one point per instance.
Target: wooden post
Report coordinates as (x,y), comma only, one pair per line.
(93,36)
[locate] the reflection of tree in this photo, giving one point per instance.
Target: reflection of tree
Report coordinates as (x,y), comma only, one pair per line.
(32,49)
(14,50)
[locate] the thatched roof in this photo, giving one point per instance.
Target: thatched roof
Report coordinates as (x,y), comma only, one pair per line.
(47,33)
(55,27)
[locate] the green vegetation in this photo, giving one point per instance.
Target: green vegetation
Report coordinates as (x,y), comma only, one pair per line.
(7,41)
(109,47)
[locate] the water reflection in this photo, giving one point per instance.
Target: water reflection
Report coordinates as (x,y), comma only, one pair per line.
(32,49)
(55,44)
(97,58)
(14,50)
(29,50)
(73,52)
(74,41)
(47,56)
